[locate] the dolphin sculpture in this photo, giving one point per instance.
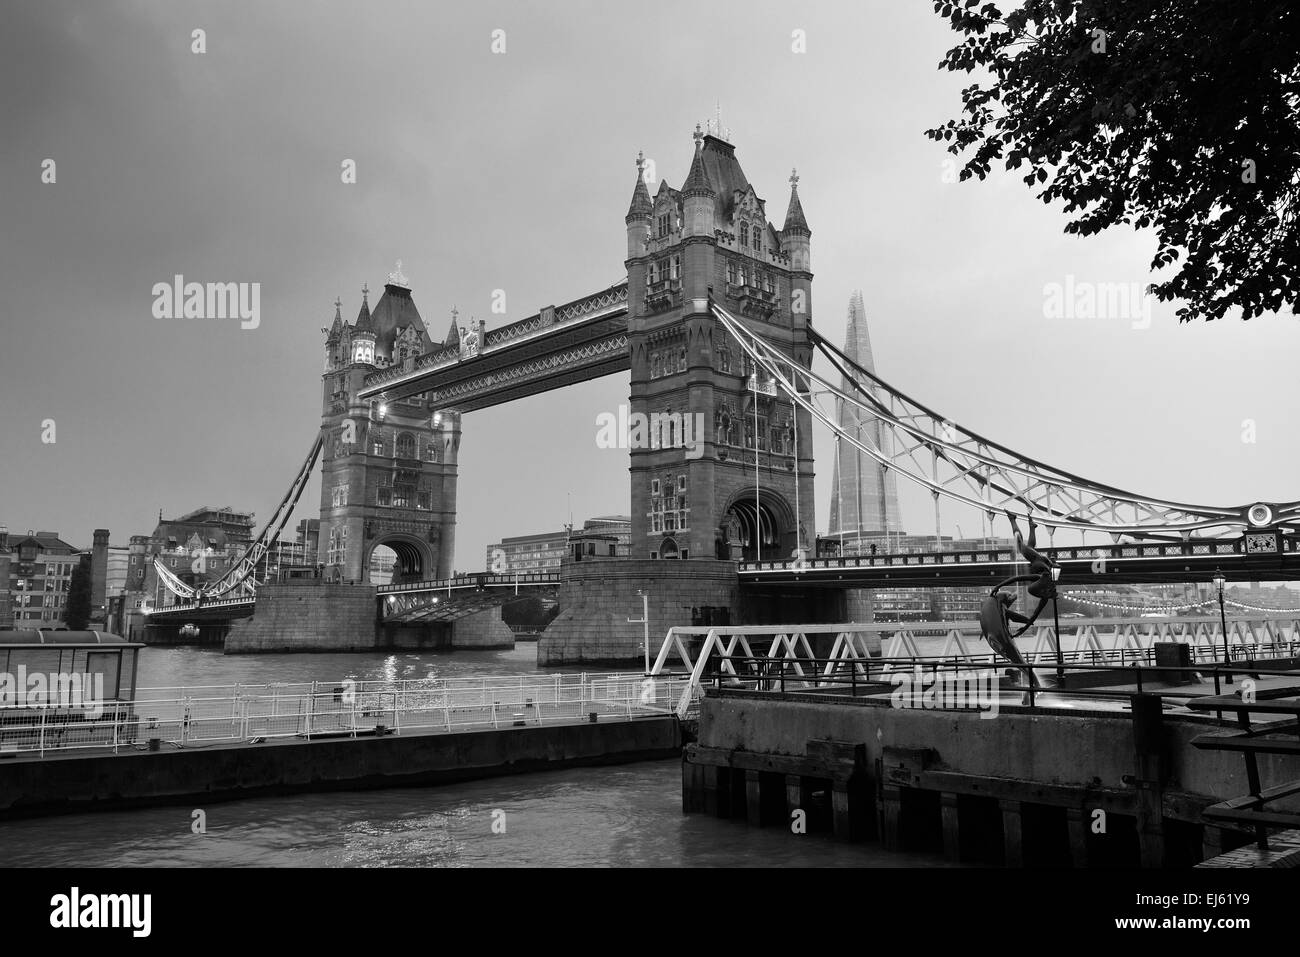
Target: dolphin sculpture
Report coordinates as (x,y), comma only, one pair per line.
(995,617)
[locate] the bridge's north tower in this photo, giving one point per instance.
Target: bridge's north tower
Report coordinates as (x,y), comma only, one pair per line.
(389,468)
(723,431)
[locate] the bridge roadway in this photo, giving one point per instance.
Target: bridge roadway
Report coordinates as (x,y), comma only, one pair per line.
(560,345)
(1137,563)
(456,593)
(449,599)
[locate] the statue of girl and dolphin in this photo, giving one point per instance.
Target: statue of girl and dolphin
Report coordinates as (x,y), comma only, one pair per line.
(996,613)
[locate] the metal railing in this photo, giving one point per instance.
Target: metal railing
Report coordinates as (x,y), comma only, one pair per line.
(1096,642)
(877,676)
(196,716)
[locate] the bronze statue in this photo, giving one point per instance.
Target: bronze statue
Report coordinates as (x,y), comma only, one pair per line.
(996,614)
(1043,587)
(995,628)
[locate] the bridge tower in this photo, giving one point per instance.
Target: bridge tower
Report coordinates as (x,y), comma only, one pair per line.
(721,429)
(388,474)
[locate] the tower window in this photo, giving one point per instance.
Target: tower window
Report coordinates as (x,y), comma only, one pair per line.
(758,241)
(676,267)
(681,360)
(665,224)
(653,275)
(406,446)
(744,236)
(731,273)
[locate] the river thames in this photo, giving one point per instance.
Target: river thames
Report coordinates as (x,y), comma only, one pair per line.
(626,815)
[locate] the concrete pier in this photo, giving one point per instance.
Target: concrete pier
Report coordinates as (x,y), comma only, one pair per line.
(1031,788)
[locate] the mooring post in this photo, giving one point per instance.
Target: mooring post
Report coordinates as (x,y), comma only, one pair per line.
(794,793)
(712,786)
(693,792)
(951,828)
(1148,776)
(753,799)
(1012,838)
(844,812)
(1078,823)
(891,817)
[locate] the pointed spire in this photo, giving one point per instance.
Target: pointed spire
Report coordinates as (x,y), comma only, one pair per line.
(453,334)
(794,218)
(363,323)
(641,207)
(336,328)
(697,180)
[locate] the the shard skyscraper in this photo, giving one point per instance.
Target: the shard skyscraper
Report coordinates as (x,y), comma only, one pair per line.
(864,499)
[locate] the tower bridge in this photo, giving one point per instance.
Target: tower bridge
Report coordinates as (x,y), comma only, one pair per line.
(714,319)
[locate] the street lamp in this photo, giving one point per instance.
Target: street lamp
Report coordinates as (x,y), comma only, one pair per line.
(1219,582)
(1056,625)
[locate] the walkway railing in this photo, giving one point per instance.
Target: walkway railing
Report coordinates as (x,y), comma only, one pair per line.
(822,649)
(881,676)
(198,716)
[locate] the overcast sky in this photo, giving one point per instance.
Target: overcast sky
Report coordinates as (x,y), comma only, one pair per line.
(513,171)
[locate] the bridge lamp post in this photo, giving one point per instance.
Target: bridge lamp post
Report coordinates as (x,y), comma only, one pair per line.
(1219,581)
(1056,625)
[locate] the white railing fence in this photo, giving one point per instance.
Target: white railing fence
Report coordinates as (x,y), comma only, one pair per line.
(197,716)
(863,649)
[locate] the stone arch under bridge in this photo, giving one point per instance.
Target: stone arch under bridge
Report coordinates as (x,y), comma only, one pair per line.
(750,519)
(415,558)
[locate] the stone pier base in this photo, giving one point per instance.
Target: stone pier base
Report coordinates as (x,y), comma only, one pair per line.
(484,629)
(308,616)
(598,596)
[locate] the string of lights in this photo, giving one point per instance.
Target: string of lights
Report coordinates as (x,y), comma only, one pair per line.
(1174,608)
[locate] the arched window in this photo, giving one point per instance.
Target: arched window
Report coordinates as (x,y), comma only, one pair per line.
(758,241)
(406,446)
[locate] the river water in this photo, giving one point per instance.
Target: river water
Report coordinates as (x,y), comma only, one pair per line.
(628,815)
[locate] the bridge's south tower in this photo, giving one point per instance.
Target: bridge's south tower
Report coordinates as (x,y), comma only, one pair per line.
(389,468)
(721,430)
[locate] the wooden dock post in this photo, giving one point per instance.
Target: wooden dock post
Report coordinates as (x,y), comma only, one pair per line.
(951,826)
(1148,777)
(753,799)
(1077,821)
(1012,841)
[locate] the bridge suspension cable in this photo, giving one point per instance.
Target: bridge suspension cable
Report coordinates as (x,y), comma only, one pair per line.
(966,467)
(239,579)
